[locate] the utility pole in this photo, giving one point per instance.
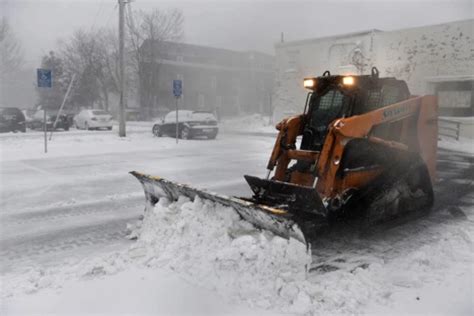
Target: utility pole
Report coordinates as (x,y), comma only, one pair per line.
(270,115)
(62,105)
(122,132)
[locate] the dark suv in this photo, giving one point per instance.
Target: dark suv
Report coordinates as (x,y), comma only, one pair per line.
(12,120)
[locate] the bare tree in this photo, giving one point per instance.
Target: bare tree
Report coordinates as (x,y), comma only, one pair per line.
(149,32)
(92,55)
(11,55)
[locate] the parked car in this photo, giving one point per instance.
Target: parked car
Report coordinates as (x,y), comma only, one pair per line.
(93,119)
(28,113)
(37,121)
(191,124)
(12,120)
(70,114)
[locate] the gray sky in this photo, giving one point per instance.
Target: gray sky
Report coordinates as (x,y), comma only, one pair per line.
(233,24)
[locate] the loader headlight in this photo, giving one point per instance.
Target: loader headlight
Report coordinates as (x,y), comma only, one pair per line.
(309,83)
(348,81)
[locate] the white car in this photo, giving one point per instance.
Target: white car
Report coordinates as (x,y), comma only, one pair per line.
(93,119)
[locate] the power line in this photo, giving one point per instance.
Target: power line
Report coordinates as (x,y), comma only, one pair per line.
(129,14)
(97,14)
(111,15)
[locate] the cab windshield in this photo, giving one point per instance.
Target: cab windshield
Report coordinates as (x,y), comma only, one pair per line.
(326,108)
(323,109)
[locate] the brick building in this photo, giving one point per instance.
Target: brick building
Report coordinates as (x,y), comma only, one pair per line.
(225,81)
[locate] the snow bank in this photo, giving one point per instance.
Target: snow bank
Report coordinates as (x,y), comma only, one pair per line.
(423,267)
(210,245)
(202,242)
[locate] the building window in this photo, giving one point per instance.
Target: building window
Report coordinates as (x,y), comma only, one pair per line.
(213,83)
(237,104)
(200,101)
(293,56)
(179,58)
(235,84)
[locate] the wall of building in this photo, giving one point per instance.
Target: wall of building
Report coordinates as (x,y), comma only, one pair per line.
(417,54)
(227,82)
(422,56)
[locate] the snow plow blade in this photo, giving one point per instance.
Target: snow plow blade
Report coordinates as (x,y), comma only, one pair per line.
(275,220)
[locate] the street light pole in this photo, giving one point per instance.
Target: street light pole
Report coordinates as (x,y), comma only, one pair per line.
(122,132)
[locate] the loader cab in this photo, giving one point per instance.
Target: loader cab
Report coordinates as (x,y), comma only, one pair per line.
(334,97)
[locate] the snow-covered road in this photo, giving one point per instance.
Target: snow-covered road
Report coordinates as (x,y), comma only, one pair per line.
(74,203)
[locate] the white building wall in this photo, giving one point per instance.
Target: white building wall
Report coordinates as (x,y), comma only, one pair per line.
(414,55)
(418,54)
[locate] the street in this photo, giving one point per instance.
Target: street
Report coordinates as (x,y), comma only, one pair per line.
(61,208)
(73,205)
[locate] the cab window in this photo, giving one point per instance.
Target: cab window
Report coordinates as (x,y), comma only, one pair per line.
(328,108)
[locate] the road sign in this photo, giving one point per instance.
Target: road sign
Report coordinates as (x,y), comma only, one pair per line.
(44,78)
(177,88)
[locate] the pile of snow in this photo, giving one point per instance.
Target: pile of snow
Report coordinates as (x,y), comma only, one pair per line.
(410,269)
(201,242)
(211,246)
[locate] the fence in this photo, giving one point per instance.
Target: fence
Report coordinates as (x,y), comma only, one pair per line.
(449,128)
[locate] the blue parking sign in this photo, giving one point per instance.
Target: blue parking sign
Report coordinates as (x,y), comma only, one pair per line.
(177,88)
(44,78)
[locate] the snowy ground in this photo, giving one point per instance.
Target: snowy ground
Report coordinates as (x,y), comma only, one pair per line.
(254,123)
(63,248)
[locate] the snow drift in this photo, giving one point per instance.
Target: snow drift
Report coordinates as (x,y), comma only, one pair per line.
(209,244)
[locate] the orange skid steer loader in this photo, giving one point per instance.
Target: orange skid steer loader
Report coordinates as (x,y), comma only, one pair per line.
(362,148)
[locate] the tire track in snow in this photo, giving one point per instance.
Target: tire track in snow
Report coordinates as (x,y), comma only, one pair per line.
(17,252)
(39,243)
(107,205)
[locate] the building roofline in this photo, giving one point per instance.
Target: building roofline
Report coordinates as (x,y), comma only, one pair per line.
(430,25)
(338,36)
(317,39)
(449,78)
(216,48)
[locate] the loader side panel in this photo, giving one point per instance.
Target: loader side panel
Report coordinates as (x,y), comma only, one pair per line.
(428,133)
